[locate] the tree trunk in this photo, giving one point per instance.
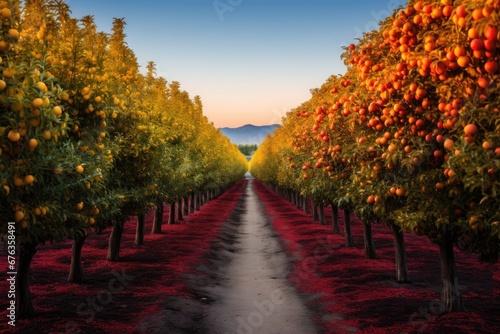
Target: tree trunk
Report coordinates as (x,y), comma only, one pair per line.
(321,213)
(171,215)
(114,242)
(402,275)
(349,241)
(139,230)
(452,297)
(179,210)
(76,268)
(197,201)
(370,251)
(191,204)
(185,206)
(158,220)
(335,219)
(307,207)
(24,307)
(315,211)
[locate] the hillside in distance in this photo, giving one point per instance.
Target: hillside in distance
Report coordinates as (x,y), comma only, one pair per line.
(248,134)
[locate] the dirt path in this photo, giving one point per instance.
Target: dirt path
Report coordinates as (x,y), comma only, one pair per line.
(252,294)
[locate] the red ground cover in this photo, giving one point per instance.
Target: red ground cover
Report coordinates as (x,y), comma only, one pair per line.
(124,292)
(355,294)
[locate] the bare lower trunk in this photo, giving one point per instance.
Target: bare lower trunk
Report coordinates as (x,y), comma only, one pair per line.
(335,219)
(402,275)
(307,207)
(185,206)
(300,205)
(24,307)
(171,215)
(321,213)
(158,220)
(349,241)
(114,242)
(139,230)
(452,297)
(76,268)
(179,210)
(197,201)
(315,214)
(370,251)
(192,203)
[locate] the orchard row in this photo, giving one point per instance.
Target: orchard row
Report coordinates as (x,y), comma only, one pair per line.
(86,139)
(408,136)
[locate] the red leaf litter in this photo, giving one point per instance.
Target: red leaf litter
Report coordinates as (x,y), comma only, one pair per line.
(353,294)
(116,296)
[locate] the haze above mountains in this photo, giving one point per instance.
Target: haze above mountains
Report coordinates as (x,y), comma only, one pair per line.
(248,134)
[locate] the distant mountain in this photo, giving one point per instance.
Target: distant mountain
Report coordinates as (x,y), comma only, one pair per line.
(248,134)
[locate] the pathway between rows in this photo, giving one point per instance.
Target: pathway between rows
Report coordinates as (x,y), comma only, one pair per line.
(254,295)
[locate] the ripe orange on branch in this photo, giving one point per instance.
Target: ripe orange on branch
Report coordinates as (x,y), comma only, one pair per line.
(79,169)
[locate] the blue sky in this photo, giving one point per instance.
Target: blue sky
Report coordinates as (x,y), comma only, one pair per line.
(249,60)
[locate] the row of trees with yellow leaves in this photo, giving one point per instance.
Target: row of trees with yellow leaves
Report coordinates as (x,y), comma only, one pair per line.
(86,140)
(408,136)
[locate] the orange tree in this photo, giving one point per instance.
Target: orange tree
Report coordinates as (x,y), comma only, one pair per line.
(420,97)
(44,124)
(134,133)
(423,95)
(80,52)
(452,86)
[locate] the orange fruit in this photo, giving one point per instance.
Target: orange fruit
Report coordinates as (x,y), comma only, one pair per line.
(42,86)
(13,34)
(57,111)
(18,216)
(14,136)
(37,211)
(491,66)
(8,73)
(47,135)
(487,145)
(79,169)
(470,129)
(32,144)
(37,102)
(448,144)
(5,13)
(463,61)
(29,179)
(18,181)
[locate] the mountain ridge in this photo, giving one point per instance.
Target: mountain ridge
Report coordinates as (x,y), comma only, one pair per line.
(248,134)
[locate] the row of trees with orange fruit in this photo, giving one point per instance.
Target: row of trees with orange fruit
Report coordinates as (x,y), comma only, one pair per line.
(408,136)
(87,140)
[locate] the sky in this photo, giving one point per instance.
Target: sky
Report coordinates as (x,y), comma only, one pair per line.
(250,61)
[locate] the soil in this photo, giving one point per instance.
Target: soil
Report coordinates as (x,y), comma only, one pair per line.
(250,262)
(251,291)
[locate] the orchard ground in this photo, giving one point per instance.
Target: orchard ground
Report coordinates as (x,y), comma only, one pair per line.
(175,281)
